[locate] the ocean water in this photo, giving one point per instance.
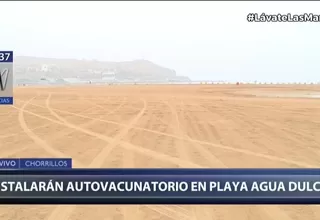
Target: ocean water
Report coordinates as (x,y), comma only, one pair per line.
(289,95)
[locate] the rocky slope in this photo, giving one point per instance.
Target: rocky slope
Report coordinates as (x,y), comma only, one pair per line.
(33,67)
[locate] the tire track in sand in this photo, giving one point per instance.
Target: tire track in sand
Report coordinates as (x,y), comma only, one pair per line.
(130,211)
(85,124)
(219,146)
(66,132)
(67,212)
(185,154)
(48,124)
(166,157)
(62,212)
(124,144)
(40,142)
(275,210)
(43,144)
(202,212)
(196,212)
(169,213)
(172,211)
(43,126)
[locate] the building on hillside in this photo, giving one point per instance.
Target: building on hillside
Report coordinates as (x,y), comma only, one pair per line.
(45,68)
(49,68)
(108,75)
(32,68)
(94,71)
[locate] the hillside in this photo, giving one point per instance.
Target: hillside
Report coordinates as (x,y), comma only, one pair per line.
(138,70)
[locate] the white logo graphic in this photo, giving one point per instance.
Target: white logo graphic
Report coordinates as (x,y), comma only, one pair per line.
(4,75)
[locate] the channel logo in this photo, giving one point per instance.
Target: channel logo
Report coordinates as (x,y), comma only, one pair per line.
(6,77)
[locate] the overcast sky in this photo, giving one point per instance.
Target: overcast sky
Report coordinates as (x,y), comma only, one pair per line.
(203,40)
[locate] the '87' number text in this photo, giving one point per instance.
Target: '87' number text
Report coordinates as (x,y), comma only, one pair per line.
(4,56)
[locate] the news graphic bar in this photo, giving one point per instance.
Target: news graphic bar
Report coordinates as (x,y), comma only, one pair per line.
(36,163)
(160,186)
(8,163)
(6,77)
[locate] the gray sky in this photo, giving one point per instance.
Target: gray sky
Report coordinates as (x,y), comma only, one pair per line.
(204,40)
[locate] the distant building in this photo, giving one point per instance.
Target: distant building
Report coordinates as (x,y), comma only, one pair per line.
(49,68)
(32,68)
(178,79)
(108,75)
(44,68)
(73,80)
(94,71)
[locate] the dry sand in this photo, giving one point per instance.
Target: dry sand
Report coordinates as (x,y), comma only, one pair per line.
(163,126)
